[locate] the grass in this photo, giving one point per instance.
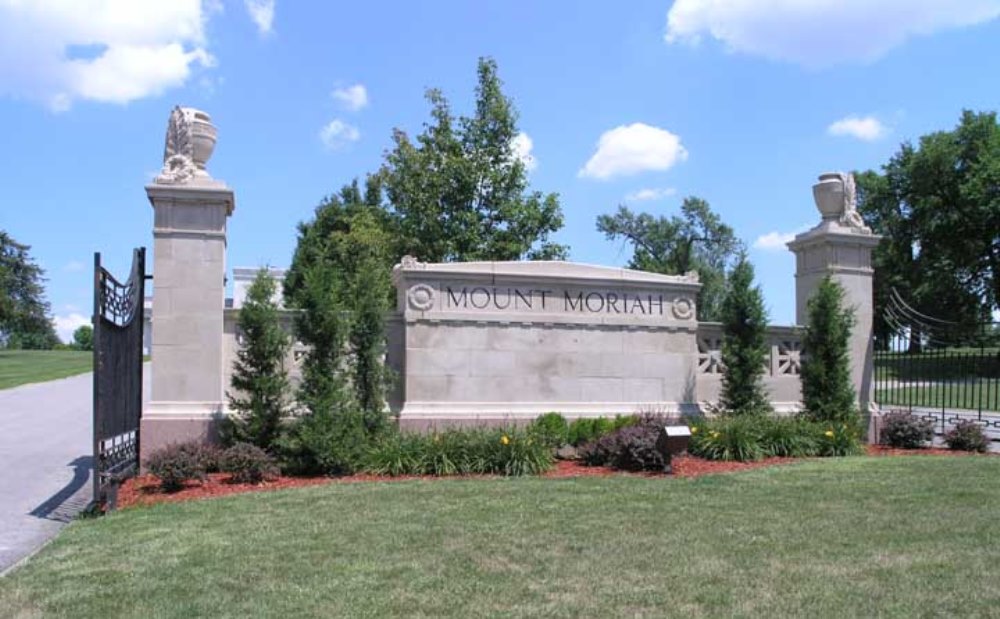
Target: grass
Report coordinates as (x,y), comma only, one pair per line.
(20,367)
(969,395)
(889,537)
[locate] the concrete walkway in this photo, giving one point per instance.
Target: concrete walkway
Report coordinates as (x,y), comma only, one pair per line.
(45,461)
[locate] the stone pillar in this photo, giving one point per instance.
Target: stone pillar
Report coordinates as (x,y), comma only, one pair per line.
(840,246)
(189,266)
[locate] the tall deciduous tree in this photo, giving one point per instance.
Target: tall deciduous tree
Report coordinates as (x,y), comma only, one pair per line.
(938,206)
(259,382)
(827,391)
(459,191)
(744,344)
(24,312)
(697,240)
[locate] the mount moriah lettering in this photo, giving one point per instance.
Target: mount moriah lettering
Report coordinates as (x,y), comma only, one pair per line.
(594,302)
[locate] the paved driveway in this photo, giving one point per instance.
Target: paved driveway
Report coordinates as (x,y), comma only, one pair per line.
(45,461)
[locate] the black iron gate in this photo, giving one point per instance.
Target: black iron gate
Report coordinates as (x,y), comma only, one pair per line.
(118,324)
(941,370)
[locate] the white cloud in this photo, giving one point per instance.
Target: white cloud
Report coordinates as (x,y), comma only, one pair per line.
(644,195)
(522,146)
(262,14)
(774,241)
(337,134)
(113,51)
(68,323)
(631,149)
(819,33)
(351,98)
(74,266)
(868,128)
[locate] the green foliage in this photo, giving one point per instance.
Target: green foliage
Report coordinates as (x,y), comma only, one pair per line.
(83,338)
(499,451)
(967,435)
(729,438)
(843,439)
(906,431)
(697,240)
(177,464)
(248,464)
(937,205)
(259,382)
(752,437)
(744,344)
(551,429)
(340,279)
(24,312)
(324,442)
(586,429)
(459,191)
(790,437)
(827,391)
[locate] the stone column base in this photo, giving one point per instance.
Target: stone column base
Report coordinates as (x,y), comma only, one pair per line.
(167,423)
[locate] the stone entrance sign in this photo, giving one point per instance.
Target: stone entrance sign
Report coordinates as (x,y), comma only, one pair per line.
(489,340)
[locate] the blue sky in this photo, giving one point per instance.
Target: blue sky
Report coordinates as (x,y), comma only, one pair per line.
(742,103)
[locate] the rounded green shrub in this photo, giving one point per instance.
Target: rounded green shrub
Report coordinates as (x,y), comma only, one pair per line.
(905,431)
(551,429)
(248,464)
(176,464)
(967,435)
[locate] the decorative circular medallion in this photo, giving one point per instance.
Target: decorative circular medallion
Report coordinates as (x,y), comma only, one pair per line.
(683,308)
(421,297)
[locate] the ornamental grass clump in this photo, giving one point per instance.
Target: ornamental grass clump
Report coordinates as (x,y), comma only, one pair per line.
(789,437)
(841,439)
(967,435)
(498,451)
(729,438)
(905,431)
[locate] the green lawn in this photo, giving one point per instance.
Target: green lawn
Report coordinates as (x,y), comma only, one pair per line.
(972,395)
(19,367)
(860,537)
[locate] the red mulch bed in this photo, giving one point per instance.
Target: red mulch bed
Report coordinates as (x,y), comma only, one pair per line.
(145,489)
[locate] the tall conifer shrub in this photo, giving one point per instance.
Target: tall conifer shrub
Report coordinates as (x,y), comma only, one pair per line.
(827,391)
(744,344)
(260,382)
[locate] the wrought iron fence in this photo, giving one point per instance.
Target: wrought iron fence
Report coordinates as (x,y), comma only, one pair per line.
(940,370)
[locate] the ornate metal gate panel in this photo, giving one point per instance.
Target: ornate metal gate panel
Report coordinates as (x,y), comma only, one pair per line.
(118,324)
(940,370)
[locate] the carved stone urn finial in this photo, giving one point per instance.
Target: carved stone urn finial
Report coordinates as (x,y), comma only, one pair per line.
(191,138)
(836,200)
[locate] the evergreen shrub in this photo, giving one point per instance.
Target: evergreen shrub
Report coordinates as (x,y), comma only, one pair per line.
(551,429)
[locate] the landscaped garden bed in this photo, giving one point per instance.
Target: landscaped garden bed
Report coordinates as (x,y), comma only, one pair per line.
(146,490)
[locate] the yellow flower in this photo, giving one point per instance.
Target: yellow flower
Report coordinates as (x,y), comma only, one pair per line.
(694,429)
(714,434)
(828,434)
(505,440)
